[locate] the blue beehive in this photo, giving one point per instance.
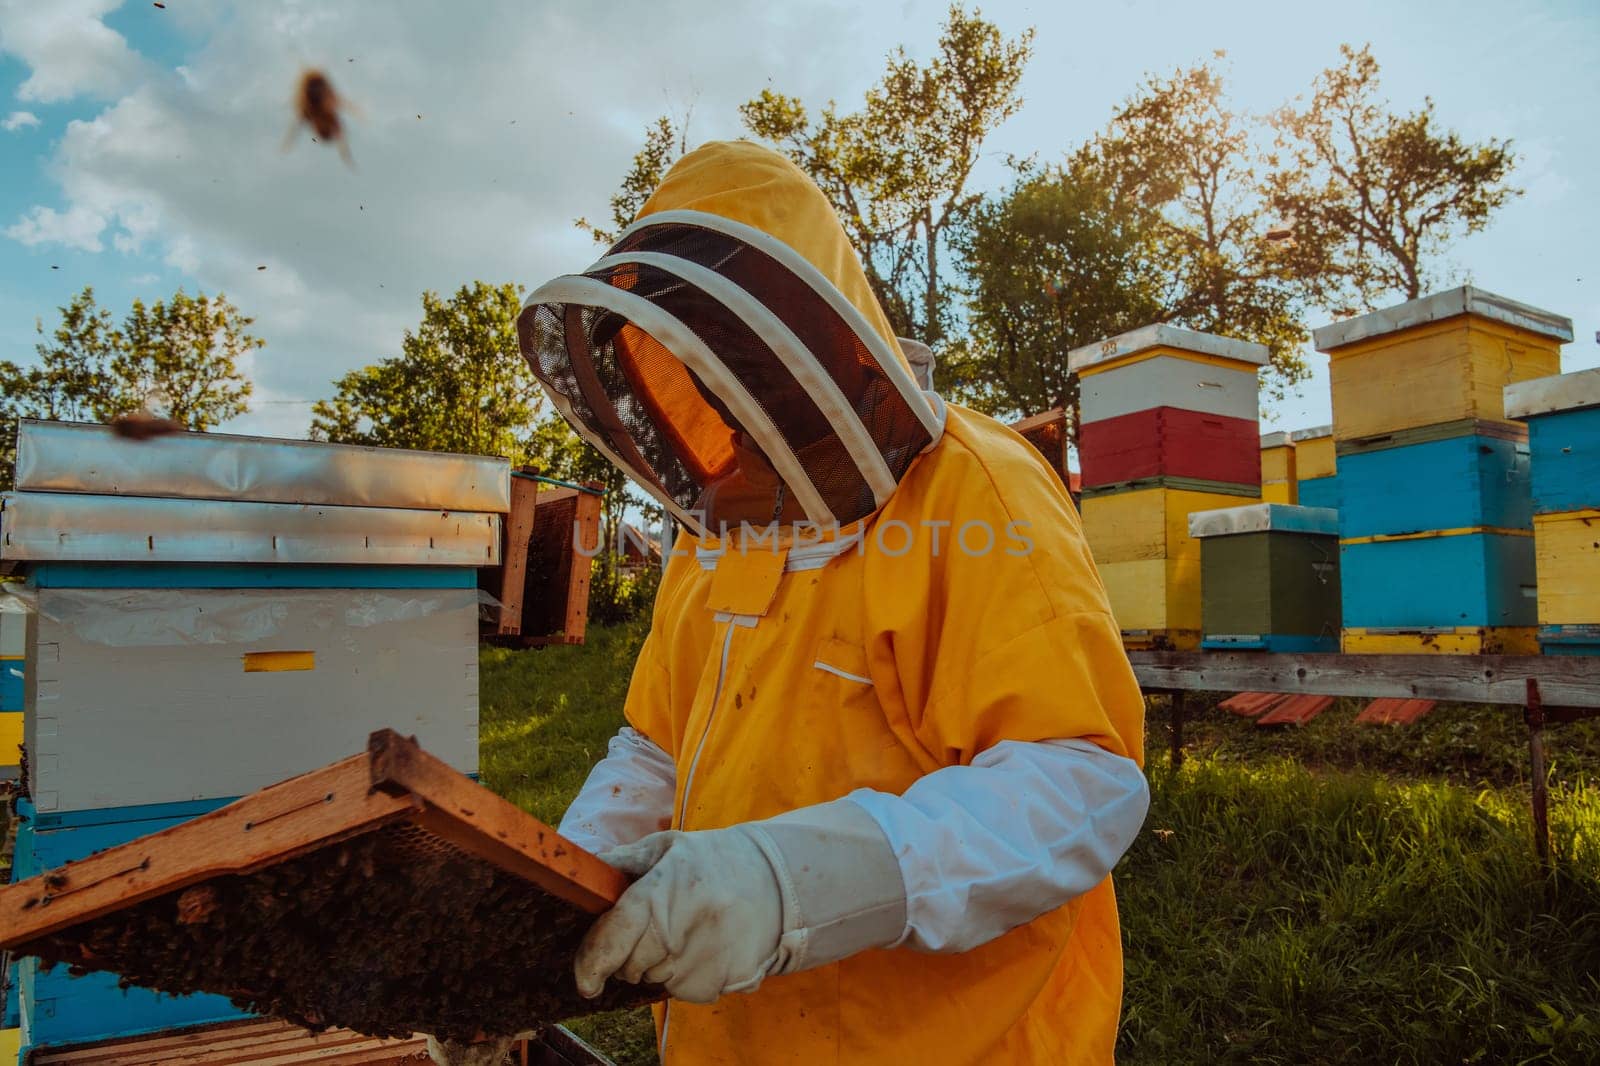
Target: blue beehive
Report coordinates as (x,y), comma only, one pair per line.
(1477,480)
(1320,492)
(1563,416)
(1434,506)
(69,1010)
(1566,476)
(215,614)
(1453,581)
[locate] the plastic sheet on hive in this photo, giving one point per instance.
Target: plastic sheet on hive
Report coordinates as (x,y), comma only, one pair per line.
(386,894)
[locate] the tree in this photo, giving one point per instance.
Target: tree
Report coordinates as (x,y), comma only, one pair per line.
(182,357)
(663,143)
(1374,196)
(177,358)
(896,171)
(460,383)
(72,380)
(1158,219)
(1194,164)
(1059,260)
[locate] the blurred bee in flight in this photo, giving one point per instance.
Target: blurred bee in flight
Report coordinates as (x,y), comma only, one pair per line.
(318,105)
(142,425)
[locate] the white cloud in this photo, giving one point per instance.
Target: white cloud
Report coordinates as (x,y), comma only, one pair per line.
(77,227)
(19,120)
(68,49)
(530,115)
(531,112)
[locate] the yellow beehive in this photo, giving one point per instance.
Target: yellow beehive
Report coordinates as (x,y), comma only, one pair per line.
(1442,358)
(1148,523)
(1279,483)
(1148,561)
(1567,552)
(1314,453)
(1155,600)
(1484,640)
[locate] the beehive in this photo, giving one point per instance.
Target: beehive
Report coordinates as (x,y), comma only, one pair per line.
(1167,402)
(1567,547)
(1563,417)
(1269,578)
(13,652)
(1147,558)
(1170,442)
(1438,359)
(1316,467)
(1434,580)
(1437,478)
(1432,476)
(1156,602)
(213,614)
(1279,482)
(1315,455)
(1049,433)
(1167,424)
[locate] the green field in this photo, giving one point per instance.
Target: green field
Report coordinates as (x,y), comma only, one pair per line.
(1332,894)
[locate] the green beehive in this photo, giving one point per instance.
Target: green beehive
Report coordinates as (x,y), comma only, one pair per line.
(1269,577)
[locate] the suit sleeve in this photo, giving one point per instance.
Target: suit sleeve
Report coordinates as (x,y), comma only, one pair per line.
(1023,829)
(628,795)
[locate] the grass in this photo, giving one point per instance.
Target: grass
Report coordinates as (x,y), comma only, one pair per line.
(1272,915)
(1336,893)
(545,715)
(544,719)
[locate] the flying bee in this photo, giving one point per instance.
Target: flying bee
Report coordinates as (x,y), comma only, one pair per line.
(318,105)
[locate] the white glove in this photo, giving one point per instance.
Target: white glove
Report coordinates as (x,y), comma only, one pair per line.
(702,919)
(718,910)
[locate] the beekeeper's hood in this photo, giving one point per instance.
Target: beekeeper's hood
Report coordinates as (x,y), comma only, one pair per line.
(733,315)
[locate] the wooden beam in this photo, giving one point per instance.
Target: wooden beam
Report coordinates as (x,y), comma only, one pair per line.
(393,781)
(270,826)
(514,557)
(586,544)
(1043,418)
(1564,680)
(491,828)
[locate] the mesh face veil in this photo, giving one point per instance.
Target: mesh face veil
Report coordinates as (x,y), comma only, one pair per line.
(728,376)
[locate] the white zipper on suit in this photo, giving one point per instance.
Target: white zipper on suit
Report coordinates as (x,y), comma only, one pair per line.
(747,621)
(804,557)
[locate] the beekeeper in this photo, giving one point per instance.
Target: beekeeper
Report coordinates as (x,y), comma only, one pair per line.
(883,744)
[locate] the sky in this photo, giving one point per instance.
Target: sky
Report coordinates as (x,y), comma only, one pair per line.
(143,147)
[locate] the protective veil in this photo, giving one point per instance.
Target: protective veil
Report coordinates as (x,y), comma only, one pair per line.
(936,650)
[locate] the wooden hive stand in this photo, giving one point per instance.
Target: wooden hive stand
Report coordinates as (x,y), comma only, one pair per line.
(1548,690)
